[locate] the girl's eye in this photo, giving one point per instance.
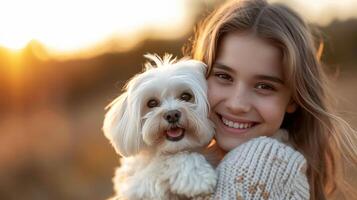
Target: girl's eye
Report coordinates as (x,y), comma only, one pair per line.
(152,103)
(265,86)
(186,96)
(223,76)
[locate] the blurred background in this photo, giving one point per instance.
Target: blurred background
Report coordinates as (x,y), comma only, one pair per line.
(62,62)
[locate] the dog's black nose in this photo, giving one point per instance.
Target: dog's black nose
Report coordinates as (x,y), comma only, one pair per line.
(172,116)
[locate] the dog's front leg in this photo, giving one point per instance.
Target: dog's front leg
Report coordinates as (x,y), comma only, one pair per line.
(191,175)
(146,185)
(141,189)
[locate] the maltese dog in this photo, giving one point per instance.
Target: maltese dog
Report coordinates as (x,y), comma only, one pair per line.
(159,124)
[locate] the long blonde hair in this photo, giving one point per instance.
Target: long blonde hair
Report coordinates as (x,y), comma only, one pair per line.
(315,129)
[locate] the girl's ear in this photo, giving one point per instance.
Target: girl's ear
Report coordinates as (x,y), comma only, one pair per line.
(292,106)
(122,128)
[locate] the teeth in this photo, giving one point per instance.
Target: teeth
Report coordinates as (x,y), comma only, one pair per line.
(232,124)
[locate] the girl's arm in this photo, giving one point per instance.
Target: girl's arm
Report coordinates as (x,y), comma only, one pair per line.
(262,168)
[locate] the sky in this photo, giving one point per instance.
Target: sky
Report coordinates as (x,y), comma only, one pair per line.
(67,26)
(323,12)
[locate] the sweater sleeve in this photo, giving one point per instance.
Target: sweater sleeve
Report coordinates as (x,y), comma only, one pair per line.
(262,168)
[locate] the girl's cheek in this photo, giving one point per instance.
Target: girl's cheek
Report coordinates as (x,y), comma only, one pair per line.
(271,108)
(215,90)
(211,94)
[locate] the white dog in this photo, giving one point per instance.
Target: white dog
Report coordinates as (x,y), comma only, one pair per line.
(159,124)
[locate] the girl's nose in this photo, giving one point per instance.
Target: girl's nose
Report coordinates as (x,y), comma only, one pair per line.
(239,101)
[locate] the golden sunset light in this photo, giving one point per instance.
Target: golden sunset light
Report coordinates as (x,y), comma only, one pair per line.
(69,25)
(323,12)
(62,62)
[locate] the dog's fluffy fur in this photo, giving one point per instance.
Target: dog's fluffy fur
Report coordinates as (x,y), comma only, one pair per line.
(158,125)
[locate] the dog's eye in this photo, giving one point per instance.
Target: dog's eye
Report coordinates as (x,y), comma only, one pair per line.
(152,103)
(186,96)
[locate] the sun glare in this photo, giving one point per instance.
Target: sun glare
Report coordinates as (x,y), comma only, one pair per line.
(71,25)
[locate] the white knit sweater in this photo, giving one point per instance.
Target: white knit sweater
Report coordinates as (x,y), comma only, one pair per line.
(262,169)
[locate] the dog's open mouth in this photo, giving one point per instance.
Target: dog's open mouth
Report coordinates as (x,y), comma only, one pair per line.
(175,134)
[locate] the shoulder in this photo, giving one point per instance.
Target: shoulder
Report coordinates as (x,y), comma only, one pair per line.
(263,149)
(265,153)
(264,166)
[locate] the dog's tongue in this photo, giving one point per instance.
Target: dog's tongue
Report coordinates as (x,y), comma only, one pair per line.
(174,132)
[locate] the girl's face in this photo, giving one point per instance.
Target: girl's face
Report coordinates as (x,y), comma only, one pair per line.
(246,90)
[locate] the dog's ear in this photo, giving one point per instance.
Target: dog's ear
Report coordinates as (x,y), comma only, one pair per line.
(202,67)
(122,128)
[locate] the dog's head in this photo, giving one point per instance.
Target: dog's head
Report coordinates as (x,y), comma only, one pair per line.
(164,109)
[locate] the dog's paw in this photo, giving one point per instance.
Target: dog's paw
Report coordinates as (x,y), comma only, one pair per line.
(135,190)
(206,179)
(196,177)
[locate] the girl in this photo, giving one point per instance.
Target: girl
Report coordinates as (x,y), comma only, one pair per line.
(264,75)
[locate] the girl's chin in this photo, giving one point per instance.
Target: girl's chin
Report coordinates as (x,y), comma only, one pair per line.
(228,144)
(229,139)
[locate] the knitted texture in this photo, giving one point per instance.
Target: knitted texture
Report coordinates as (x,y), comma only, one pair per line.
(262,169)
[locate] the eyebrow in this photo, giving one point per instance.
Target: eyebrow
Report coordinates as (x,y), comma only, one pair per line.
(221,66)
(258,76)
(270,78)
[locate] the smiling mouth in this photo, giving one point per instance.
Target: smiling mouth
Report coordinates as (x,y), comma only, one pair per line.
(236,125)
(175,134)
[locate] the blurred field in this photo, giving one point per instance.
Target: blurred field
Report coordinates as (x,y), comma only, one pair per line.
(51,143)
